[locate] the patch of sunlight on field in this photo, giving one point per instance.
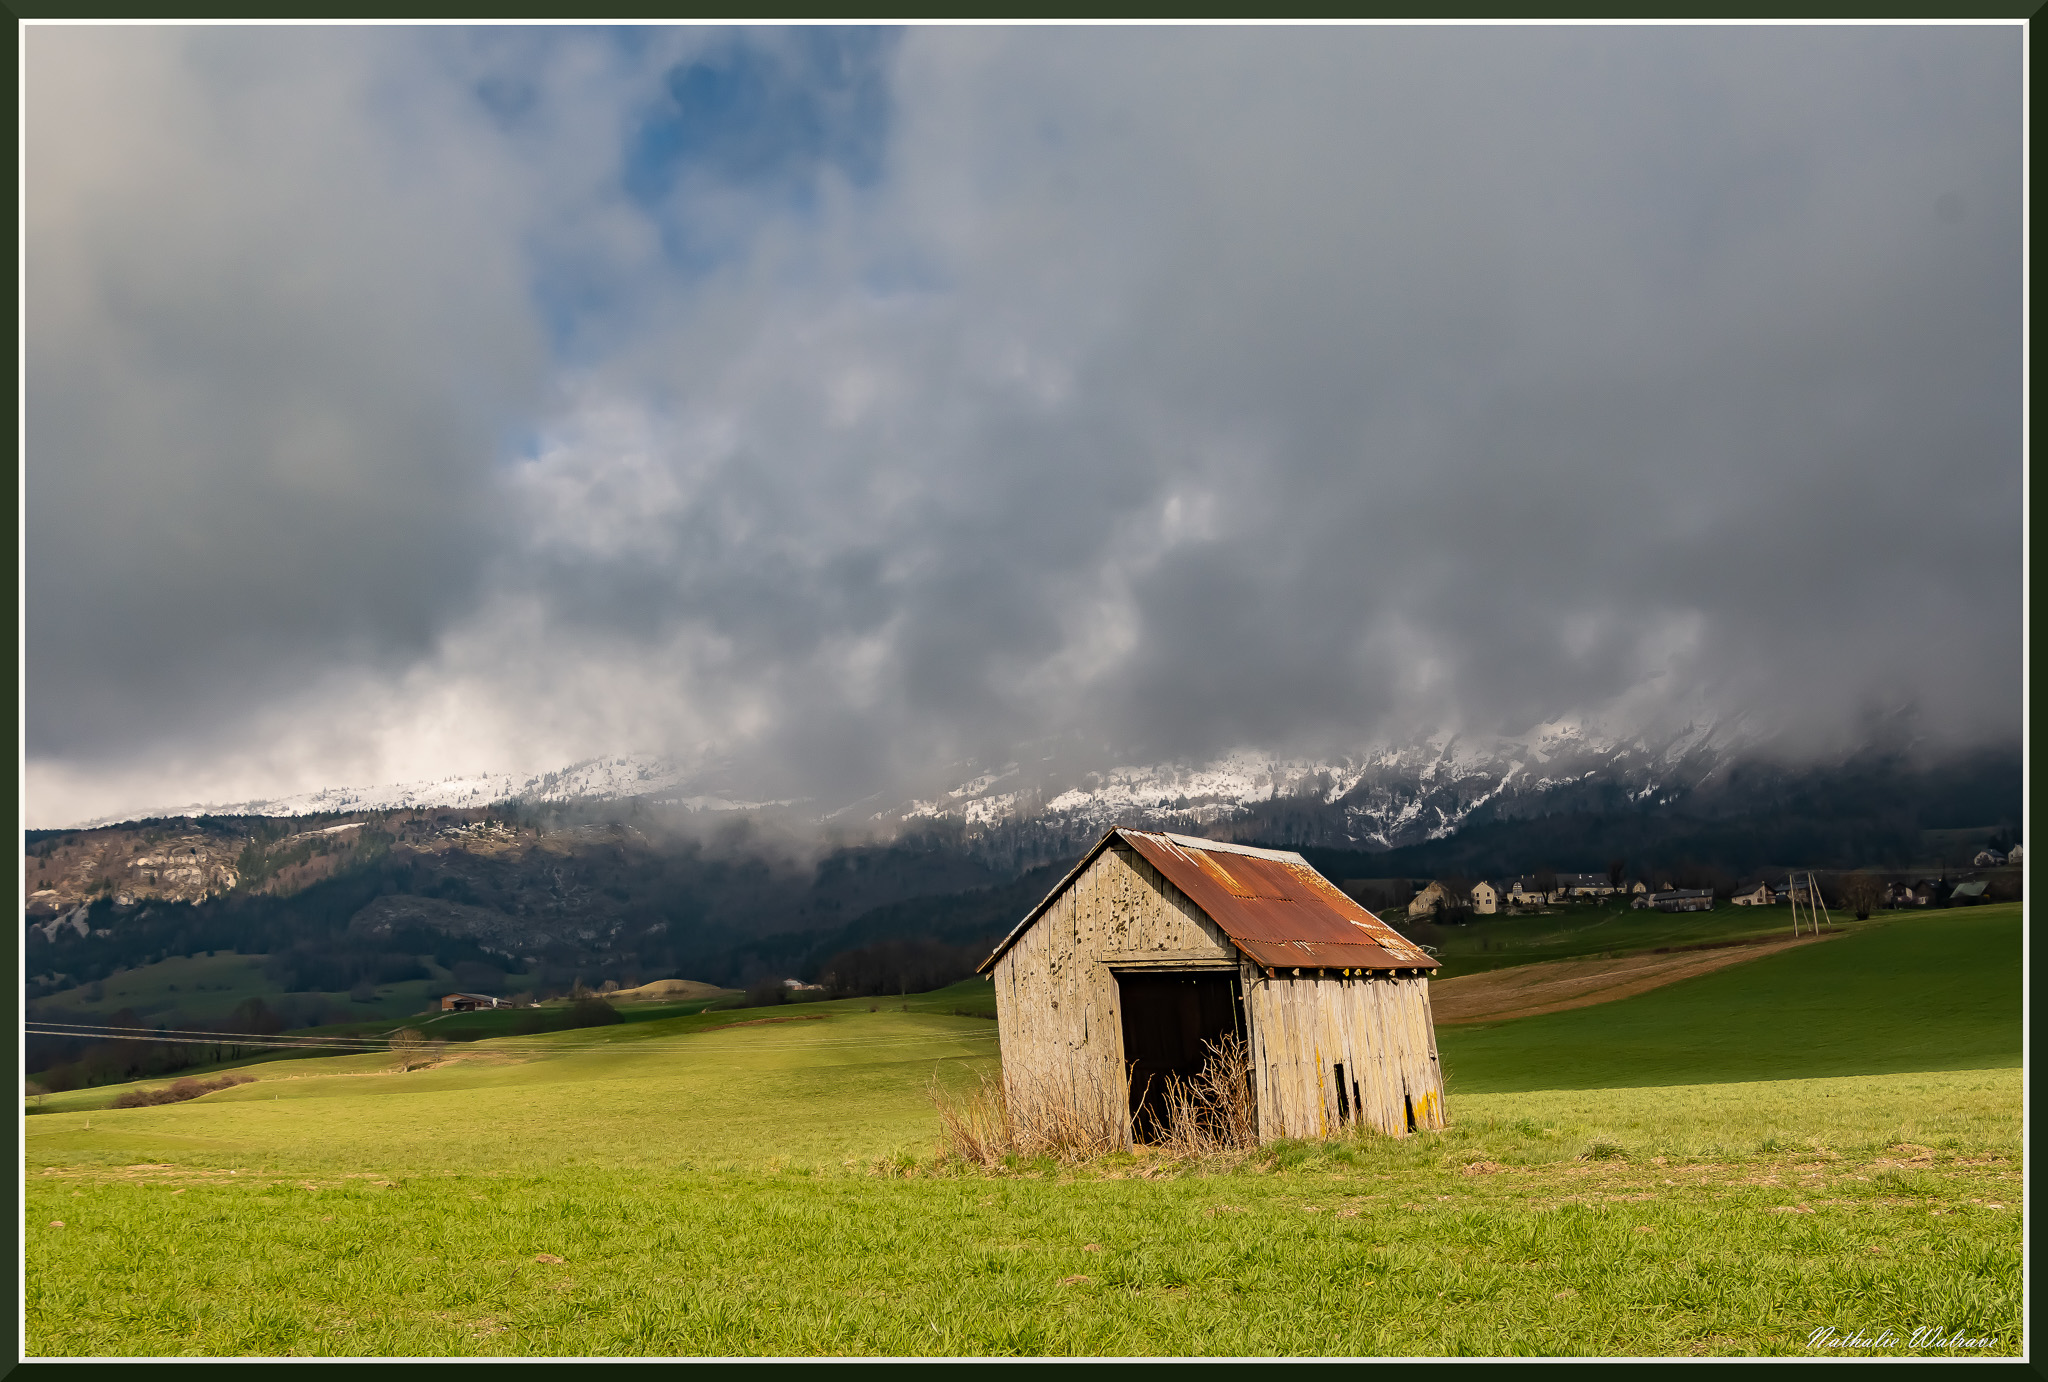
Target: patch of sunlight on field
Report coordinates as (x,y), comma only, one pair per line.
(849,1085)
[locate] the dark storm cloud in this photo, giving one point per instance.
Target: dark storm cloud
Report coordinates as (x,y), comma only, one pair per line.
(270,357)
(913,397)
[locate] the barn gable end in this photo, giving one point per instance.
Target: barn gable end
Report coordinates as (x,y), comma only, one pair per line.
(1056,988)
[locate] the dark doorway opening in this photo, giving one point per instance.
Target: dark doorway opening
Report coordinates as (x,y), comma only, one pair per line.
(1166,1020)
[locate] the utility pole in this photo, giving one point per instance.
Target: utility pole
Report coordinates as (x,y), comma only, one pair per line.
(1813,900)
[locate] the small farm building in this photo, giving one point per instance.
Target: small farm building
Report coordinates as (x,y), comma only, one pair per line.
(1681,900)
(470,1002)
(1155,945)
(1752,895)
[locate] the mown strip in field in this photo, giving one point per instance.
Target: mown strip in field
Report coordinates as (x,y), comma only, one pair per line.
(1530,990)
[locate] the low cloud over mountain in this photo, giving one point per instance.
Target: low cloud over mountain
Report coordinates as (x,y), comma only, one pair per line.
(840,407)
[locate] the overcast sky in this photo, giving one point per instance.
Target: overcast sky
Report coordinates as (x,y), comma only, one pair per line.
(848,404)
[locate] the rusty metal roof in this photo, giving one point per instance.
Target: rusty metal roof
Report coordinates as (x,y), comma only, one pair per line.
(1274,907)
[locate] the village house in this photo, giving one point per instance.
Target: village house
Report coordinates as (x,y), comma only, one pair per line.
(1523,892)
(1676,900)
(1988,859)
(1968,894)
(470,1002)
(1428,902)
(1752,895)
(1577,885)
(2016,856)
(1485,898)
(1155,946)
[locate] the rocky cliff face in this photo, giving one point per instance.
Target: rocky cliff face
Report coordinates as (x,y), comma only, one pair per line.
(132,865)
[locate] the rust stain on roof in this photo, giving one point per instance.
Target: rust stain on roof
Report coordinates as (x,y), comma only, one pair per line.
(1274,907)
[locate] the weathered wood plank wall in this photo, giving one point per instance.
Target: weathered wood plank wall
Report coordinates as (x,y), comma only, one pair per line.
(1378,1029)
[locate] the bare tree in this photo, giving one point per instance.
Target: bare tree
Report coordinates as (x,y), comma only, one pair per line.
(1617,869)
(1546,881)
(1456,907)
(1864,892)
(408,1047)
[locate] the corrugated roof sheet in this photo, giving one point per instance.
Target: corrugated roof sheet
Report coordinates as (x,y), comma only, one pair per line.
(1271,904)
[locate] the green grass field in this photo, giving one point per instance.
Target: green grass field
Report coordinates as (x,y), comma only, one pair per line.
(1931,992)
(767,1182)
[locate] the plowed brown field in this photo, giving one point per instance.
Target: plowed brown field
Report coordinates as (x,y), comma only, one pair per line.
(1555,985)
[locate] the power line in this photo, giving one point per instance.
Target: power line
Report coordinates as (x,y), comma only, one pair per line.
(338,1045)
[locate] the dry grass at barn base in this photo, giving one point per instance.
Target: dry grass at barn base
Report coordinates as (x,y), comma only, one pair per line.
(1550,986)
(1004,1117)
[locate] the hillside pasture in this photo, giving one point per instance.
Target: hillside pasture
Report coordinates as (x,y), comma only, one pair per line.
(201,988)
(766,1182)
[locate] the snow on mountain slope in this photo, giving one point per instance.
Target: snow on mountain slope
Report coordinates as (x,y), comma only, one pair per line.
(1383,797)
(596,779)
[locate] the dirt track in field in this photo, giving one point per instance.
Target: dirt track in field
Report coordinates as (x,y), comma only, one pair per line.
(1551,986)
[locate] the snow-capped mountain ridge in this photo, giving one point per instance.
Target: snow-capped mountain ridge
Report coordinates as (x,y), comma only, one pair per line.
(1383,797)
(596,779)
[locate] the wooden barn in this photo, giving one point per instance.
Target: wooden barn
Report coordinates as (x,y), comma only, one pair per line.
(1154,944)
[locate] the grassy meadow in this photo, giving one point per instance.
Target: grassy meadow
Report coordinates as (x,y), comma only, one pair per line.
(768,1182)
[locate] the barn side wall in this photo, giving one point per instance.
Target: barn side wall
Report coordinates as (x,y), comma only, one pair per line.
(1056,995)
(1378,1029)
